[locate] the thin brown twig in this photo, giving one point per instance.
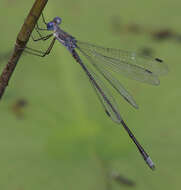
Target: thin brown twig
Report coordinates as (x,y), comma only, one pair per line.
(21,42)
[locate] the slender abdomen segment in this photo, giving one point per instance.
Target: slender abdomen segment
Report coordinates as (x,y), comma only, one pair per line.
(75,55)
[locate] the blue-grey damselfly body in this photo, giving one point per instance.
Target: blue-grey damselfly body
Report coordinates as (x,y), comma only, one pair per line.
(103,64)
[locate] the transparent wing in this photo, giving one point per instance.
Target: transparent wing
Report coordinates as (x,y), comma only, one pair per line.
(110,109)
(103,93)
(109,103)
(112,81)
(131,65)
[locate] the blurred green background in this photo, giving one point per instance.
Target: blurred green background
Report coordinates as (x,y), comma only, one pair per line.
(61,138)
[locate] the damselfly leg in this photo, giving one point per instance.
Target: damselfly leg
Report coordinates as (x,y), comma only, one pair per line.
(36,52)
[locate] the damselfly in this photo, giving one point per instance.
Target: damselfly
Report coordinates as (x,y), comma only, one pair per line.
(104,62)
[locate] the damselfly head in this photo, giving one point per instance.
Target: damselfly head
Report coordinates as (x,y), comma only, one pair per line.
(57,20)
(50,26)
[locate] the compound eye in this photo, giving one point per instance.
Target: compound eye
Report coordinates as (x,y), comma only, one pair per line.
(57,20)
(50,26)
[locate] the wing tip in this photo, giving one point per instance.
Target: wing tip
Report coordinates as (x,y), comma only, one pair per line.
(136,106)
(158,60)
